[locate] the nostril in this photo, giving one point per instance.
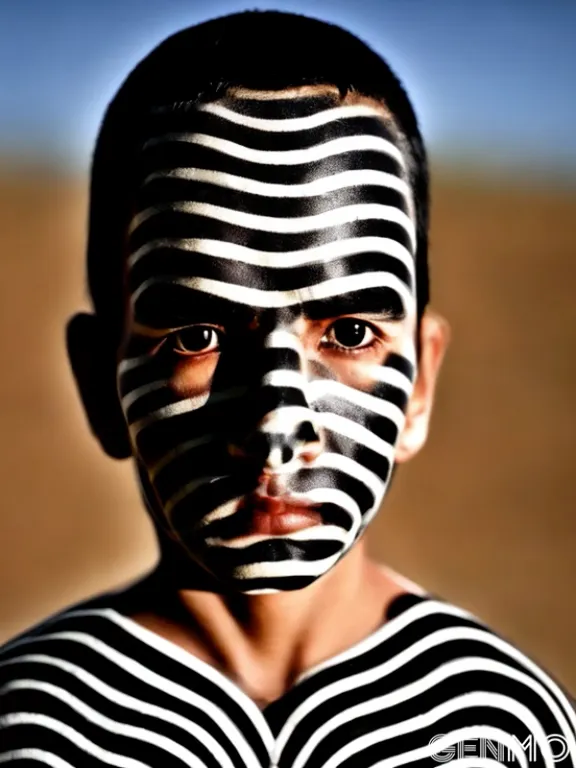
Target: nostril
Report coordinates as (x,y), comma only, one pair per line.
(306,433)
(309,441)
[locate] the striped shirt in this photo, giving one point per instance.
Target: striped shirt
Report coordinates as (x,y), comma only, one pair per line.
(433,685)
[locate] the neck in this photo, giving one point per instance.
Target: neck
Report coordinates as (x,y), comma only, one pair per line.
(264,642)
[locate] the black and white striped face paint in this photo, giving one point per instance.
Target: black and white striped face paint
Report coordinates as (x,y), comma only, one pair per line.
(271,349)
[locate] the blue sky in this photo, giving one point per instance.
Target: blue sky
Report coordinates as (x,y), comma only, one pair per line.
(492,80)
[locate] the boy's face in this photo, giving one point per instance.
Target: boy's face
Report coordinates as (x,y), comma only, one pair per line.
(269,357)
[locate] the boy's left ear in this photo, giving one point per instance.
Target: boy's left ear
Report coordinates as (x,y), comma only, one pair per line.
(93,361)
(434,339)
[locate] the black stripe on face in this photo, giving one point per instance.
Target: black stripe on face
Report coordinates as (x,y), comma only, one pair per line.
(281,108)
(160,436)
(162,191)
(366,457)
(280,358)
(165,305)
(224,558)
(181,154)
(306,480)
(169,305)
(381,300)
(269,398)
(143,374)
(401,364)
(390,394)
(380,426)
(150,402)
(186,264)
(177,225)
(373,461)
(189,511)
(205,459)
(200,122)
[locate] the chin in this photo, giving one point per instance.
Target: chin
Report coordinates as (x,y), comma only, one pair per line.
(266,564)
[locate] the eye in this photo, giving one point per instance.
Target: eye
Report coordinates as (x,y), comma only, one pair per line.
(349,333)
(196,340)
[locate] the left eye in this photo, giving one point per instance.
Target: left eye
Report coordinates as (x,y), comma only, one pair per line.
(196,340)
(350,333)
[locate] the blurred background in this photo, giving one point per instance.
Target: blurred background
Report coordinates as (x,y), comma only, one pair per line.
(485,516)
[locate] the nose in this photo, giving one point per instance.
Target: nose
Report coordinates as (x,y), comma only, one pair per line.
(287,434)
(287,429)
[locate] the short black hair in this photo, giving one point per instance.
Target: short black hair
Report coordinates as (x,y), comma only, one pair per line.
(257,50)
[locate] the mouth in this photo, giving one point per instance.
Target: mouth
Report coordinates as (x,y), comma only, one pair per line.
(277,515)
(269,509)
(272,510)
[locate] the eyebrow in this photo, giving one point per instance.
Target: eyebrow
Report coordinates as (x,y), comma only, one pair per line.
(168,305)
(383,303)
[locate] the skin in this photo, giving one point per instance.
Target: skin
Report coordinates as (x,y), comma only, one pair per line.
(233,621)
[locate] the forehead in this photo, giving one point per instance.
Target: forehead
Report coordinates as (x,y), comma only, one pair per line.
(274,200)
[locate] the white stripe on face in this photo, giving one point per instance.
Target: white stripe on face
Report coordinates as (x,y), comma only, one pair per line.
(281,260)
(279,218)
(254,297)
(282,568)
(322,151)
(288,124)
(317,533)
(321,186)
(279,225)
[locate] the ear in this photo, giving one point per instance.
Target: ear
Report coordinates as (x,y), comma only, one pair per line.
(434,338)
(93,361)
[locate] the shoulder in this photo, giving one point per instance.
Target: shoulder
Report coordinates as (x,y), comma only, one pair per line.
(40,675)
(79,642)
(62,680)
(66,634)
(482,687)
(85,687)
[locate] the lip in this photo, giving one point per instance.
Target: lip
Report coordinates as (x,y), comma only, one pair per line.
(267,509)
(277,515)
(260,514)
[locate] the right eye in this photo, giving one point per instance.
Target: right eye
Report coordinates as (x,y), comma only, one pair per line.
(196,340)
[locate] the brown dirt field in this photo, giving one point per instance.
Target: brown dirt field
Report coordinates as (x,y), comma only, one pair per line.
(485,517)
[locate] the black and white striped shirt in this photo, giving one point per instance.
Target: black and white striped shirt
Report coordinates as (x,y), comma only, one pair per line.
(433,685)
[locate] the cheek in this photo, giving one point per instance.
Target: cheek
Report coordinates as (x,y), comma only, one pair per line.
(369,409)
(192,377)
(372,377)
(356,375)
(365,370)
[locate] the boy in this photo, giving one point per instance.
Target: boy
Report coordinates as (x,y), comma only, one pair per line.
(261,347)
